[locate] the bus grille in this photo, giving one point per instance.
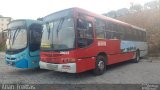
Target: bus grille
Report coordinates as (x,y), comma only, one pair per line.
(11,58)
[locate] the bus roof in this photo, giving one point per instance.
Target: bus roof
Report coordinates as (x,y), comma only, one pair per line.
(37,21)
(94,15)
(106,18)
(30,21)
(138,28)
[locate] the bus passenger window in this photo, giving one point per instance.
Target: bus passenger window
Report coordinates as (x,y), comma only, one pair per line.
(100,28)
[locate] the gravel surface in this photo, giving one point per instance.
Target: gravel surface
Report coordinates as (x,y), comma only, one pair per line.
(146,71)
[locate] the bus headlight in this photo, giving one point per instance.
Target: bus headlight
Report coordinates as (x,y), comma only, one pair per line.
(20,57)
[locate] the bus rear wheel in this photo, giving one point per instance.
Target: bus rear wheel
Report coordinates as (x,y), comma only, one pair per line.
(137,58)
(100,65)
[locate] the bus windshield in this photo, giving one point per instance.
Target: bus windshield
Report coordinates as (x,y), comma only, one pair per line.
(17,39)
(17,35)
(58,35)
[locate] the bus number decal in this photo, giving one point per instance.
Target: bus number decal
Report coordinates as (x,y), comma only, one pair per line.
(101,43)
(64,52)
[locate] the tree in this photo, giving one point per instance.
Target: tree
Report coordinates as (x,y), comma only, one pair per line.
(152,5)
(40,19)
(136,7)
(122,12)
(111,14)
(159,4)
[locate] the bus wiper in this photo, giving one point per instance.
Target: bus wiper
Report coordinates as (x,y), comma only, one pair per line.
(49,31)
(60,26)
(9,36)
(15,35)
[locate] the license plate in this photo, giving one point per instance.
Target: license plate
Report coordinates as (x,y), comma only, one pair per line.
(52,67)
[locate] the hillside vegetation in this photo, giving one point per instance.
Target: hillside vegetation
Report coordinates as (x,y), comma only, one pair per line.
(150,20)
(2,42)
(146,16)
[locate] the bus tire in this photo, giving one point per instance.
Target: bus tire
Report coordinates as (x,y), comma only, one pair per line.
(100,65)
(137,58)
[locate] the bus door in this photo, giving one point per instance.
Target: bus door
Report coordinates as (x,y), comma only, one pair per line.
(35,33)
(84,43)
(85,34)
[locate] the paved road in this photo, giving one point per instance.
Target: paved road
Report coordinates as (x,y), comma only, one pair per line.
(123,73)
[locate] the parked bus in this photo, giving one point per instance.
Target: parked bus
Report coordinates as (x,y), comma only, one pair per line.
(75,40)
(23,43)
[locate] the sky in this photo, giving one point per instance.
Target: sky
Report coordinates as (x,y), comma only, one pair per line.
(33,9)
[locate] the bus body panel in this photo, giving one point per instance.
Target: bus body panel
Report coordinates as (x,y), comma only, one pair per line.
(22,60)
(85,64)
(143,47)
(33,59)
(17,60)
(86,57)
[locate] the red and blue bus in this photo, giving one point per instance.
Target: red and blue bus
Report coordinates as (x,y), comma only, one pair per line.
(75,40)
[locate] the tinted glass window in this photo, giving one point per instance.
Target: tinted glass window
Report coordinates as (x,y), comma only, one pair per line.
(35,36)
(113,31)
(100,28)
(85,33)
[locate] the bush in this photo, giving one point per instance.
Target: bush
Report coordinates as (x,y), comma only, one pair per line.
(2,46)
(2,42)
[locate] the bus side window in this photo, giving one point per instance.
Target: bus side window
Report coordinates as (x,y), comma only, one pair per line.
(35,37)
(100,28)
(85,33)
(110,32)
(108,35)
(144,36)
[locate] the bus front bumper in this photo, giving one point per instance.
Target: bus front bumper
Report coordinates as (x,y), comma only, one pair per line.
(19,64)
(69,67)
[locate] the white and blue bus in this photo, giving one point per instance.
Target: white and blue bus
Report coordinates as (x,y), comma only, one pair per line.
(23,43)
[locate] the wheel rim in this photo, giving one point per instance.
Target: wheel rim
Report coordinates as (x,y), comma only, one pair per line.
(101,65)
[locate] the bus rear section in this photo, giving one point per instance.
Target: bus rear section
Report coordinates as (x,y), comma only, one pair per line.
(75,40)
(23,43)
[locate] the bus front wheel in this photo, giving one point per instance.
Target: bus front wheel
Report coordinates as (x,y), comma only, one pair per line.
(100,65)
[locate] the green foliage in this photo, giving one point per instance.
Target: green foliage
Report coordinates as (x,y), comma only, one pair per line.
(2,47)
(147,17)
(2,42)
